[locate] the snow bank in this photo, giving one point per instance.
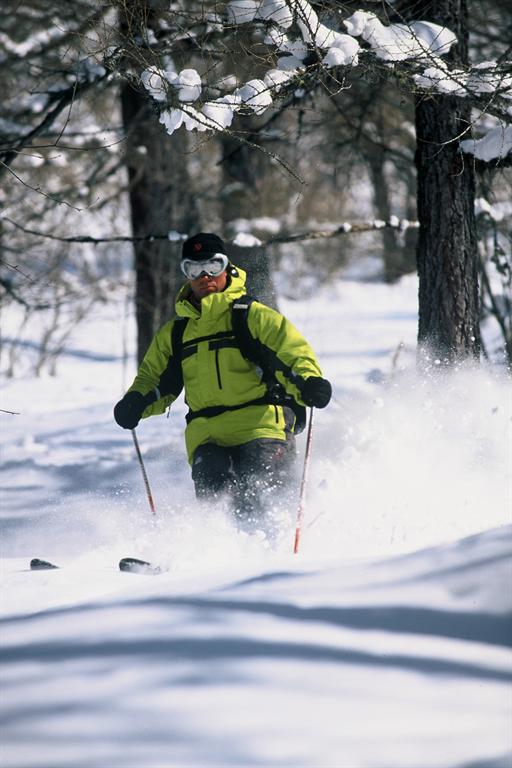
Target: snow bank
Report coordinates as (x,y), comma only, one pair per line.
(401,459)
(244,654)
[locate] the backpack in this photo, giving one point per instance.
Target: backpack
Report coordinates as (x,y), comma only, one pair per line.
(253,351)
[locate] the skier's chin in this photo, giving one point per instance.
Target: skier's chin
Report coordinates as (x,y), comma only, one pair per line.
(209,288)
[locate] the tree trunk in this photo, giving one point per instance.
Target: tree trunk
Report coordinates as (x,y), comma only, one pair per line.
(242,168)
(160,196)
(256,263)
(447,244)
(392,254)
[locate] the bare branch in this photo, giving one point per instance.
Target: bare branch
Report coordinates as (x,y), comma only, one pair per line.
(36,189)
(65,98)
(343,229)
(346,228)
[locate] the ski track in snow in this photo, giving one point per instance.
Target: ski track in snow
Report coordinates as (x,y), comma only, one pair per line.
(384,644)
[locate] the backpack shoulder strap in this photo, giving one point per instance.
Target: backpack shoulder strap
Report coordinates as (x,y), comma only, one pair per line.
(254,350)
(249,346)
(178,329)
(174,369)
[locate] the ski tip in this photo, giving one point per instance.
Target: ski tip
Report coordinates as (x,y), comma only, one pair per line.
(134,565)
(42,565)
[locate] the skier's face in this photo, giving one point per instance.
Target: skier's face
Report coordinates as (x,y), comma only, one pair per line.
(206,284)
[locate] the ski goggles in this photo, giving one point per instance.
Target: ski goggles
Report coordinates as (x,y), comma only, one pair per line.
(213,267)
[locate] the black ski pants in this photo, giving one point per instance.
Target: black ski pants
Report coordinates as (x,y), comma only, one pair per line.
(251,474)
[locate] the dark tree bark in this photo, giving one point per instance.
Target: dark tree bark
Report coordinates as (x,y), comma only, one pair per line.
(160,201)
(395,257)
(242,169)
(160,196)
(447,243)
(256,263)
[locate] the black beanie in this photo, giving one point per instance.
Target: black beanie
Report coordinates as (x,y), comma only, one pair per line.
(202,246)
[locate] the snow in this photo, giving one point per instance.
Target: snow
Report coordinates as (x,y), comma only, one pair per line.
(171,119)
(290,66)
(385,642)
(156,84)
(495,145)
(246,240)
(280,39)
(268,224)
(319,35)
(397,42)
(219,112)
(33,44)
(242,11)
(498,211)
(417,41)
(483,78)
(341,55)
(278,11)
(188,83)
(256,95)
(175,237)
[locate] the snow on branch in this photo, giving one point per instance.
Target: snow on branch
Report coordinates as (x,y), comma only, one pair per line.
(496,144)
(400,42)
(248,241)
(489,86)
(485,78)
(295,37)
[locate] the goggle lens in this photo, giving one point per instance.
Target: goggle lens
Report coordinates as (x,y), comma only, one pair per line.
(212,267)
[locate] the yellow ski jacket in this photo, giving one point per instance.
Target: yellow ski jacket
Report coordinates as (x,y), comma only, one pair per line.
(216,374)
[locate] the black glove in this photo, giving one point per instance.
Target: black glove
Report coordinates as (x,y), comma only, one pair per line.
(128,411)
(316,392)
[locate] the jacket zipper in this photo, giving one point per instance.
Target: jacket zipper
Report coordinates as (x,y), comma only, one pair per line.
(217,366)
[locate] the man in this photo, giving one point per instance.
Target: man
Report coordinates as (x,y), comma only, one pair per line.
(240,426)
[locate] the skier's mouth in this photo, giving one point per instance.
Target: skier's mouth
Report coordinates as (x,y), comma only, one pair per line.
(207,283)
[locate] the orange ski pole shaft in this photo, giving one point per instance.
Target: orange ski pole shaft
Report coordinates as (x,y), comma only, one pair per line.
(300,511)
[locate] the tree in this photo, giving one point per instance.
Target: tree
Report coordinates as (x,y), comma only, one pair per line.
(170,65)
(449,313)
(52,160)
(373,126)
(243,169)
(160,191)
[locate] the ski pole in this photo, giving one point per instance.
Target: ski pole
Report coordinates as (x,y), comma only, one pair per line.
(300,511)
(144,473)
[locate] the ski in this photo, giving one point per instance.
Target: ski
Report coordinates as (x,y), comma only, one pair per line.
(127,564)
(42,565)
(134,565)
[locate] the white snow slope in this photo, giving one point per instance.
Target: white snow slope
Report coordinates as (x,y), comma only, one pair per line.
(385,643)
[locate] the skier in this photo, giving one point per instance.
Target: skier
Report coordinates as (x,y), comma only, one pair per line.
(247,374)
